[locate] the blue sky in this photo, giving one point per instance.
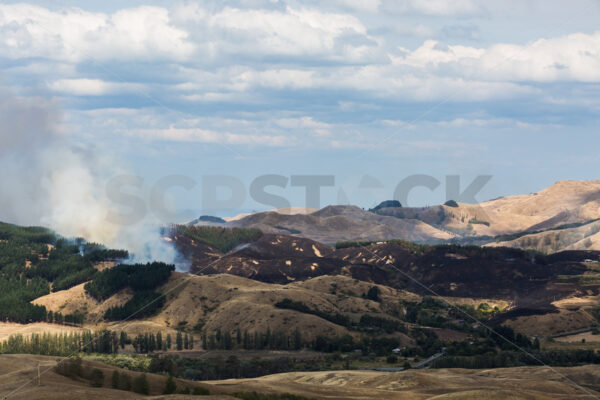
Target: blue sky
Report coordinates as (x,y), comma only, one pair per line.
(382,88)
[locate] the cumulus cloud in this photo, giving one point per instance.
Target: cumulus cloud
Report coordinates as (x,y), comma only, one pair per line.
(574,57)
(92,87)
(142,33)
(293,32)
(303,63)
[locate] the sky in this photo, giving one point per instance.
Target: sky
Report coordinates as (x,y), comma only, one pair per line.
(368,93)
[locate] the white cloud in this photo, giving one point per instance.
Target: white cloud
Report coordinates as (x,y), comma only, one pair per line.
(210,136)
(575,57)
(437,7)
(142,33)
(293,32)
(306,123)
(92,87)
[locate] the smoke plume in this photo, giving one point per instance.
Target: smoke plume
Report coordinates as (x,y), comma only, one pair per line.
(50,181)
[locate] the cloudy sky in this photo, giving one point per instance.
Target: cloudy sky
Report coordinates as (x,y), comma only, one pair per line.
(367,91)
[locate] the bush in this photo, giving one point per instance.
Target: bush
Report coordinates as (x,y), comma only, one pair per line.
(125,382)
(373,294)
(97,378)
(391,359)
(170,385)
(70,368)
(200,391)
(451,203)
(115,379)
(141,385)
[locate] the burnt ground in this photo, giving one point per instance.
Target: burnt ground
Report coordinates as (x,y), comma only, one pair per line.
(448,270)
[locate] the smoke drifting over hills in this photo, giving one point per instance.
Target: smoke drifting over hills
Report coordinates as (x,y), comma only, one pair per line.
(48,180)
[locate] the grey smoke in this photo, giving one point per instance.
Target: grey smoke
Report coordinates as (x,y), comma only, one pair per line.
(47,179)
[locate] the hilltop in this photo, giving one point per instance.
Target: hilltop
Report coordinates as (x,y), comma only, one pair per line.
(564,205)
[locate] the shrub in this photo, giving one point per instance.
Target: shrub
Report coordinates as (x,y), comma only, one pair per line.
(141,385)
(70,368)
(115,379)
(125,382)
(373,294)
(97,378)
(170,385)
(477,221)
(200,391)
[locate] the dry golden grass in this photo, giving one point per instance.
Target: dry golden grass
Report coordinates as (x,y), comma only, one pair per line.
(518,213)
(230,302)
(18,380)
(529,383)
(77,301)
(526,383)
(553,323)
(11,328)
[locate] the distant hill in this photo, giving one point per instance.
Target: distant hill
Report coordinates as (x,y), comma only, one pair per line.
(338,223)
(566,203)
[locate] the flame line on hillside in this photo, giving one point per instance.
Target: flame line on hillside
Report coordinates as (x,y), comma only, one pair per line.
(490,329)
(15,391)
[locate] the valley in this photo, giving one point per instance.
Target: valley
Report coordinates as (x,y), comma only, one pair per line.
(265,310)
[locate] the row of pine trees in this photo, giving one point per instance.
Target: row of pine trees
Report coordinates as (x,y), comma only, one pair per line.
(111,342)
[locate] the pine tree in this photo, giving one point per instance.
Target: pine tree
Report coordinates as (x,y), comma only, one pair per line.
(123,340)
(297,339)
(169,341)
(159,341)
(179,341)
(227,343)
(246,340)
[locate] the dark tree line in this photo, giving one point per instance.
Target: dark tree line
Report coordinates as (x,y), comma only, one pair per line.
(31,259)
(150,342)
(142,305)
(64,344)
(139,277)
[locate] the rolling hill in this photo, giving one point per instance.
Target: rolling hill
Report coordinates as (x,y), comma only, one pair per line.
(566,204)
